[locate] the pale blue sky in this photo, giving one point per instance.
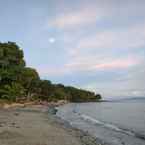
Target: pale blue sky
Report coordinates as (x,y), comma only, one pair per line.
(93,44)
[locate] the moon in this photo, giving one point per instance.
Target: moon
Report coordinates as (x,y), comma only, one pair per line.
(52,40)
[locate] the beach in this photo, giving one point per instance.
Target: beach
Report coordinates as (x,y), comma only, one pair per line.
(34,126)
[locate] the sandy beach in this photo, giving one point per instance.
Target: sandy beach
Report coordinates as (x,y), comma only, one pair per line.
(33,126)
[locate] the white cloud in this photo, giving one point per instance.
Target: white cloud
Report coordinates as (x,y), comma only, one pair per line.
(75,19)
(92,12)
(132,37)
(84,15)
(99,65)
(97,52)
(104,36)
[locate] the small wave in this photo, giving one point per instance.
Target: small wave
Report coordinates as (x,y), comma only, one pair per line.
(106,125)
(88,118)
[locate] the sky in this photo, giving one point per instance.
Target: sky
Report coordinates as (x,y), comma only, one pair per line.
(98,45)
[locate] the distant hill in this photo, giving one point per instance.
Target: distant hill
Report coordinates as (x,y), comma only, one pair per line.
(126,99)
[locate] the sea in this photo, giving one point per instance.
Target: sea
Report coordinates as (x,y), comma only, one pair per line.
(113,122)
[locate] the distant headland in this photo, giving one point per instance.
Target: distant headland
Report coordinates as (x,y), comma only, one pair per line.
(19,83)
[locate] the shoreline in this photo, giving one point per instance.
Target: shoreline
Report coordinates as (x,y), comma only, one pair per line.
(13,125)
(85,137)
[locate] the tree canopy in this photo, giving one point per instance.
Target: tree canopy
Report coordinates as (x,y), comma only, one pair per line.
(18,82)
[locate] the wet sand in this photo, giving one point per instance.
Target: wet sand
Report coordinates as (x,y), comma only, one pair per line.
(33,126)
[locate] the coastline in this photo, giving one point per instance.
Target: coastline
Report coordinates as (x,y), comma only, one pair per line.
(35,125)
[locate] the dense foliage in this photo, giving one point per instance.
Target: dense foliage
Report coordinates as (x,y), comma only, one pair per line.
(21,83)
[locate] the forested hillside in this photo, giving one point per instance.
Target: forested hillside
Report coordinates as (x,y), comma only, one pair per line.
(21,83)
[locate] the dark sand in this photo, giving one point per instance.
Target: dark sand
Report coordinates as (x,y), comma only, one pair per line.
(34,126)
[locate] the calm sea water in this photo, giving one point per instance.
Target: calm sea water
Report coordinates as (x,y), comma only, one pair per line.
(115,123)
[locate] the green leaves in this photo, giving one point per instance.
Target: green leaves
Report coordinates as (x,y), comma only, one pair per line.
(11,55)
(15,78)
(12,92)
(20,82)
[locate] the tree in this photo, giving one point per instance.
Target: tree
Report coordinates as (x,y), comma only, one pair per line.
(27,78)
(46,90)
(13,72)
(11,55)
(18,81)
(12,92)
